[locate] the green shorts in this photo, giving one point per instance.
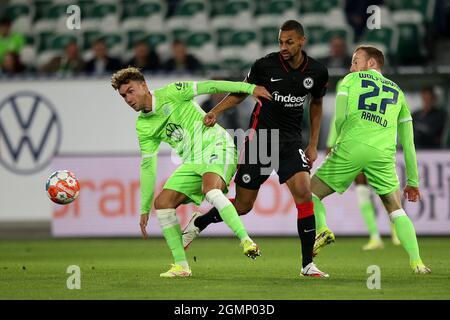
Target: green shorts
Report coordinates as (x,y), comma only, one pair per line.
(187,178)
(348,159)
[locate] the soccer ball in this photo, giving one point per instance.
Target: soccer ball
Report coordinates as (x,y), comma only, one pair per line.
(62,187)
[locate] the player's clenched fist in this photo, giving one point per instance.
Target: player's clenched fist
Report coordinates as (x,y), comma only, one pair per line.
(143,224)
(210,119)
(411,193)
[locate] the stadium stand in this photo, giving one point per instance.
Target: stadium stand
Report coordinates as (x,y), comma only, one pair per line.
(225,35)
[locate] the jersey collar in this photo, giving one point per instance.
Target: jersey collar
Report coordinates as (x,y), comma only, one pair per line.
(302,66)
(376,71)
(148,114)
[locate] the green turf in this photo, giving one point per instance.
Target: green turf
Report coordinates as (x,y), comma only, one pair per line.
(129,269)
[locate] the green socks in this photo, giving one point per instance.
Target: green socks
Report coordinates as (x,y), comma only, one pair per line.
(406,233)
(319,214)
(367,209)
(227,212)
(172,233)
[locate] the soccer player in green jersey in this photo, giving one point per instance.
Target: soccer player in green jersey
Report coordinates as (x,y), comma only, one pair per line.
(366,206)
(370,111)
(209,157)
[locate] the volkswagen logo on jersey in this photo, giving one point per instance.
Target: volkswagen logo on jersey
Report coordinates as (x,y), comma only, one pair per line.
(30,132)
(174,132)
(308,83)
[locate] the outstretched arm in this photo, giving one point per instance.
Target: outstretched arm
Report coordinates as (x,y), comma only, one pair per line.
(231,100)
(406,135)
(341,109)
(216,86)
(149,150)
(147,186)
(315,116)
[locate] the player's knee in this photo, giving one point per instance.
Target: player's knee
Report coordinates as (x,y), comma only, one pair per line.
(207,189)
(162,202)
(244,208)
(304,196)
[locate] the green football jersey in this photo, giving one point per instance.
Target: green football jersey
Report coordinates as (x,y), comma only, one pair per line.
(177,119)
(375,107)
(332,134)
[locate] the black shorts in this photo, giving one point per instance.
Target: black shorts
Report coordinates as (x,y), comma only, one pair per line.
(256,164)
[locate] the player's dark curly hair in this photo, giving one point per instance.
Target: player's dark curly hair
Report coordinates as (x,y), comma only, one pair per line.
(293,25)
(126,75)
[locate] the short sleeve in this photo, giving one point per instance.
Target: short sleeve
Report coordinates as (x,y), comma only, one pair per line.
(149,147)
(319,88)
(181,91)
(254,74)
(343,86)
(404,114)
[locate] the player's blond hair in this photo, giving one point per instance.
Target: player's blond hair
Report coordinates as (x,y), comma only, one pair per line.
(373,52)
(126,75)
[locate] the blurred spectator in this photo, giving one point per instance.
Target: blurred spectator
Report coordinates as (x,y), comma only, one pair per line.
(144,58)
(442,17)
(11,64)
(356,12)
(9,41)
(181,60)
(67,63)
(429,122)
(172,6)
(339,57)
(101,63)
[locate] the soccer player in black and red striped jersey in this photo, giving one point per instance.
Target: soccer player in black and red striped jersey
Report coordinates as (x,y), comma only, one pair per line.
(293,78)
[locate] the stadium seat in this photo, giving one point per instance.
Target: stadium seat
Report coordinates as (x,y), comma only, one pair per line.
(54,45)
(386,39)
(315,34)
(269,36)
(41,8)
(21,15)
(103,16)
(240,49)
(322,6)
(276,12)
(337,25)
(86,7)
(234,13)
(149,15)
(51,17)
(189,15)
(158,41)
(202,45)
(114,41)
(28,52)
(411,47)
(108,14)
(215,6)
(423,7)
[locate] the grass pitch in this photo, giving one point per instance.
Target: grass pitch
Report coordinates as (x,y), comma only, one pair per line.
(129,269)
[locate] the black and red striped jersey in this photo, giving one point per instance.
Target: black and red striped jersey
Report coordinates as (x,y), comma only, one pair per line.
(290,88)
